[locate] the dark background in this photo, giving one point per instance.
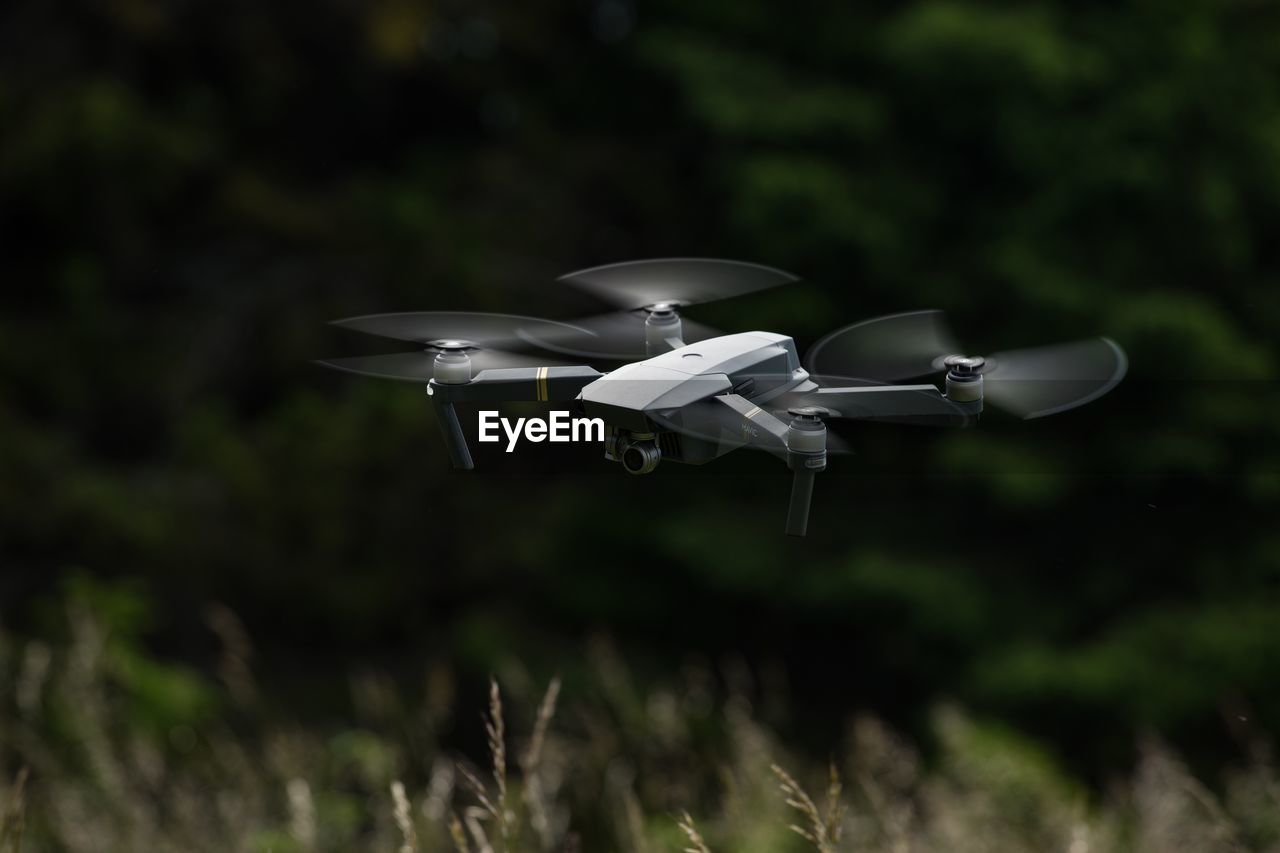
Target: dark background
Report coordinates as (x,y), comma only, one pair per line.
(188,191)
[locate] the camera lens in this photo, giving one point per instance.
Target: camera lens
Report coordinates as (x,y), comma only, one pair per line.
(641,457)
(633,460)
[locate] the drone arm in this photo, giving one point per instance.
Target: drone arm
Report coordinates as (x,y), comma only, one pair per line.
(764,430)
(498,385)
(514,384)
(904,404)
(752,425)
(742,422)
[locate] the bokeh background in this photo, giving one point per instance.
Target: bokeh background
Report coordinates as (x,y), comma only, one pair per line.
(188,191)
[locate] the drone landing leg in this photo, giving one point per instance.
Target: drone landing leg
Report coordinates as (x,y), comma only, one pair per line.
(453,437)
(801,494)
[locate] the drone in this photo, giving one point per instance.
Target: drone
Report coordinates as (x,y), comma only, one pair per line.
(687,393)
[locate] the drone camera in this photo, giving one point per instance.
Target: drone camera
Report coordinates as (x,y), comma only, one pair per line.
(639,454)
(641,458)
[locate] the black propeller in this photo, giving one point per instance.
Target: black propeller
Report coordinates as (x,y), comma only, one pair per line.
(480,329)
(648,292)
(675,281)
(619,336)
(481,337)
(1030,383)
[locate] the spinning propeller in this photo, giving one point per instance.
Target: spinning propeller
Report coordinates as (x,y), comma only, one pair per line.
(457,336)
(675,281)
(1030,383)
(650,294)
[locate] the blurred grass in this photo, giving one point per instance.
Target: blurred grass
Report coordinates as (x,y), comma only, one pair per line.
(115,755)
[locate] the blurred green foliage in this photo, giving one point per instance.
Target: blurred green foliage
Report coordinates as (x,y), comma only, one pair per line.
(617,765)
(190,191)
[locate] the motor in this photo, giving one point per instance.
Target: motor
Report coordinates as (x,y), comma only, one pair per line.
(662,326)
(452,364)
(964,378)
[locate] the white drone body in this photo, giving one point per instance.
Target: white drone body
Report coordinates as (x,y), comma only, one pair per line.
(690,394)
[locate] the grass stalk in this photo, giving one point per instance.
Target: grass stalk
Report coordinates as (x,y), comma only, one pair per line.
(696,843)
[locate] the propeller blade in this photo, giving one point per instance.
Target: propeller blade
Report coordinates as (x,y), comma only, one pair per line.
(676,281)
(1041,381)
(408,366)
(618,336)
(420,366)
(468,326)
(886,349)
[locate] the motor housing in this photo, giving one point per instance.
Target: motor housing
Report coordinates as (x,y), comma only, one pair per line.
(661,323)
(964,378)
(452,366)
(807,438)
